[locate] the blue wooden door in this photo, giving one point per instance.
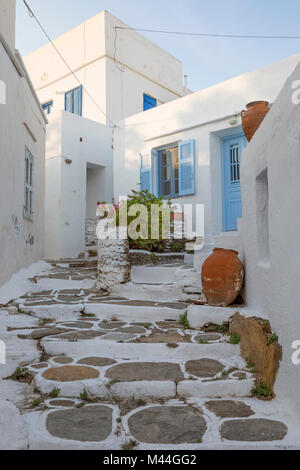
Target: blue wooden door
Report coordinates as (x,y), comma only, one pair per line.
(232,201)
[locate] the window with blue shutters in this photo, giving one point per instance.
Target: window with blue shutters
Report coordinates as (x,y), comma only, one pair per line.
(73,101)
(187,167)
(174,170)
(47,107)
(149,102)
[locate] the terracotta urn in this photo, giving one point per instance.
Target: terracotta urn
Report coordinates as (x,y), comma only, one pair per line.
(222,277)
(253,117)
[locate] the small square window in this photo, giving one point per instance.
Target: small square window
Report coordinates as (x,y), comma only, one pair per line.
(47,107)
(149,102)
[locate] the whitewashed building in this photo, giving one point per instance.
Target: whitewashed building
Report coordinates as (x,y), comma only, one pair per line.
(190,149)
(22,157)
(125,74)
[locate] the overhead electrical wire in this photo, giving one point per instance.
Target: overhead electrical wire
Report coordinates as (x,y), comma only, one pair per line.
(32,15)
(212,35)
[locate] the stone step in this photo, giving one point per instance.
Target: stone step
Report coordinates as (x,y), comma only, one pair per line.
(162,275)
(103,376)
(130,313)
(200,424)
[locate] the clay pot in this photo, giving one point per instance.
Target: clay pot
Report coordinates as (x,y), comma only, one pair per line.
(222,277)
(253,117)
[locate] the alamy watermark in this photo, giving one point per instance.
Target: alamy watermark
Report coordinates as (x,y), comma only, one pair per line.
(2,92)
(140,221)
(2,353)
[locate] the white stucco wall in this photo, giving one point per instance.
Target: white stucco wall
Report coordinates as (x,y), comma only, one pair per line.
(270,230)
(66,191)
(21,124)
(7,21)
(142,67)
(204,116)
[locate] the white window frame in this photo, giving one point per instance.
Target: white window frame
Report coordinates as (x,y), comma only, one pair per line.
(28,185)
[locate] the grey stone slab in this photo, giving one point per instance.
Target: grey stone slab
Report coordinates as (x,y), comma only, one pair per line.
(111,325)
(204,367)
(41,365)
(84,325)
(207,337)
(43,332)
(131,329)
(96,361)
(253,430)
(229,408)
(69,292)
(145,371)
(76,335)
(61,402)
(168,425)
(119,336)
(87,424)
(63,360)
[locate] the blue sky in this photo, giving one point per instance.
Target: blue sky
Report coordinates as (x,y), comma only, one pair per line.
(206,61)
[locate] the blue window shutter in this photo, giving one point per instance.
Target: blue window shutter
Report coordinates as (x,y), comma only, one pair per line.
(187,167)
(149,102)
(146,176)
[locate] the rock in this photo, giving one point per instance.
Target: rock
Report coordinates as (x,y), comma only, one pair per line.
(85,325)
(70,373)
(253,430)
(96,361)
(145,371)
(168,425)
(254,336)
(41,365)
(131,329)
(207,337)
(76,335)
(43,332)
(63,360)
(111,325)
(164,337)
(229,409)
(61,402)
(204,367)
(87,424)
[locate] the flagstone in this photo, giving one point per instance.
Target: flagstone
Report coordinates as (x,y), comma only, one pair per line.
(229,409)
(42,365)
(164,337)
(43,332)
(61,402)
(87,424)
(78,324)
(111,325)
(145,371)
(115,336)
(207,337)
(168,425)
(204,367)
(63,360)
(253,430)
(96,361)
(70,373)
(76,335)
(131,329)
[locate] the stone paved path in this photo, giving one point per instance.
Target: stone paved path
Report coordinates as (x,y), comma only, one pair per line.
(88,371)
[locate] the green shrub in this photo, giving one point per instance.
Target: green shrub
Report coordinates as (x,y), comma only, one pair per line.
(147,199)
